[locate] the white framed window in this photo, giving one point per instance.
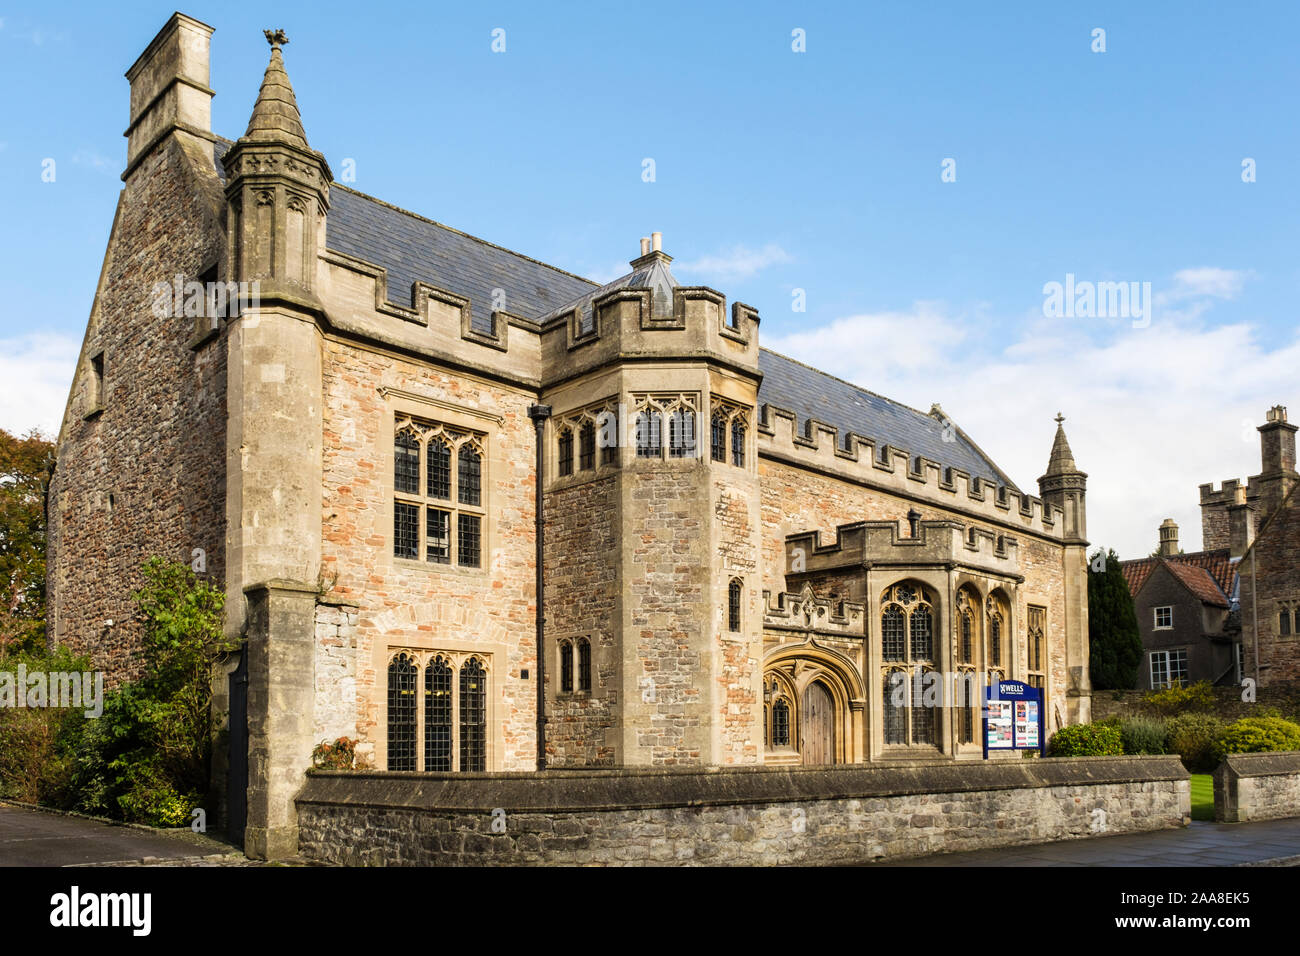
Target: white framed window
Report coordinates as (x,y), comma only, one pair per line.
(1164,617)
(1168,669)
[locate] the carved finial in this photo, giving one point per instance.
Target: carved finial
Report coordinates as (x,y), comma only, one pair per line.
(276,38)
(1059,418)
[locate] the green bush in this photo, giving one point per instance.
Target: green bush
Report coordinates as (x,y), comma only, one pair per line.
(1142,735)
(1086,740)
(1193,738)
(1252,735)
(37,744)
(151,799)
(1179,700)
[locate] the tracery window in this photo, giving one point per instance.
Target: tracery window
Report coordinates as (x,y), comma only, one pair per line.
(996,655)
(681,433)
(907,645)
(587,446)
(728,422)
(453,722)
(718,437)
(649,437)
(425,521)
(566,452)
(1037,660)
(738,441)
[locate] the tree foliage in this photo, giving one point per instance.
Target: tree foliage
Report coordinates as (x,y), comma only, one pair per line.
(25,465)
(1114,642)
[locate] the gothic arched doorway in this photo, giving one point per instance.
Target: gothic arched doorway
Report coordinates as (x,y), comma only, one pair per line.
(817,725)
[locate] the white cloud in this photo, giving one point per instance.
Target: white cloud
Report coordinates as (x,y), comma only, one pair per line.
(37,373)
(1151,413)
(739,262)
(1205,282)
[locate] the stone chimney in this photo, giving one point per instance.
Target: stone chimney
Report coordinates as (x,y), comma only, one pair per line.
(169,89)
(1277,461)
(1168,538)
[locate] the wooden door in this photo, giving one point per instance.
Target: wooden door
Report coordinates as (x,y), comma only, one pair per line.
(817,725)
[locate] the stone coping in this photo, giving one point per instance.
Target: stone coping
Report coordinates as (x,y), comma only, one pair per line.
(1261,765)
(642,788)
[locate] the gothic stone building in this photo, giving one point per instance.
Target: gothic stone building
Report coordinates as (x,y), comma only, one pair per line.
(736,550)
(1259,524)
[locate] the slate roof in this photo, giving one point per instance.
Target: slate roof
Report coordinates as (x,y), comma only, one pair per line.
(1217,565)
(412,248)
(809,393)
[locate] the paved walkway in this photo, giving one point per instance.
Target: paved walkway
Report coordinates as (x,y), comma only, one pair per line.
(39,838)
(1274,842)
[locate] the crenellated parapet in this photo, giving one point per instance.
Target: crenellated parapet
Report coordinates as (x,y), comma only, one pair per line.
(942,543)
(805,611)
(861,459)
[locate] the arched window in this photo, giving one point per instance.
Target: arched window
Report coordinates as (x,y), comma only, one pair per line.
(995,639)
(733,605)
(566,667)
(738,443)
(891,633)
(967,646)
(1037,663)
(438,456)
(587,446)
(649,437)
(437,715)
(584,664)
(681,433)
(718,437)
(470,471)
(566,452)
(473,716)
(609,437)
(907,645)
(781,723)
(401,713)
(406,463)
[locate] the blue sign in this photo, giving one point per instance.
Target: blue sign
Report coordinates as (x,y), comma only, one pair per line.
(1013,717)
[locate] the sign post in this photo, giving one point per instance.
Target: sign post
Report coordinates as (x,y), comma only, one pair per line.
(1013,717)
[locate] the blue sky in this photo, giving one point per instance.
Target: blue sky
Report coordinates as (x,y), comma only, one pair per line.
(776,171)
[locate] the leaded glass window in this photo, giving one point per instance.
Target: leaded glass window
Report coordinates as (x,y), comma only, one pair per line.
(468,540)
(406,463)
(473,716)
(649,438)
(891,633)
(781,723)
(469,475)
(584,664)
(566,667)
(922,716)
(718,438)
(967,642)
(406,530)
(995,640)
(922,634)
(438,457)
(895,723)
(587,446)
(738,443)
(437,537)
(401,713)
(733,606)
(566,452)
(681,433)
(437,715)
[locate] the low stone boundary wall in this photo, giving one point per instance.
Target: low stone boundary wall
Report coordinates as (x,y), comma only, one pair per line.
(1251,787)
(732,816)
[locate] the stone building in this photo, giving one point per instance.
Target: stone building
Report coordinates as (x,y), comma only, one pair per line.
(1187,613)
(737,552)
(1259,523)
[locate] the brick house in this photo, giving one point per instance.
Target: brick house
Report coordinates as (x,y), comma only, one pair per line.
(401,433)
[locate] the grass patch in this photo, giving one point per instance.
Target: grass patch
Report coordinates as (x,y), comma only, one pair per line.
(1203,797)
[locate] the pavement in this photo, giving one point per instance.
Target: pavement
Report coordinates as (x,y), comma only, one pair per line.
(33,837)
(1270,843)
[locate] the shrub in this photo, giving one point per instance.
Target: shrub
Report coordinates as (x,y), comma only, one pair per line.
(340,755)
(1192,737)
(37,743)
(1179,700)
(151,799)
(1086,740)
(1252,735)
(1143,735)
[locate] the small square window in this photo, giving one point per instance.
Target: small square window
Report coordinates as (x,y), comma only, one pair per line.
(1164,617)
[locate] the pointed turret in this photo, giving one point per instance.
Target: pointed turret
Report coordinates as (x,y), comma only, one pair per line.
(1064,485)
(275,114)
(278,190)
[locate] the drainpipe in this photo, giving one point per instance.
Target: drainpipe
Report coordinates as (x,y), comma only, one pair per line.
(539,414)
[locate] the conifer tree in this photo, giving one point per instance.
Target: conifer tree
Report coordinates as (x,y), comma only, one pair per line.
(1114,642)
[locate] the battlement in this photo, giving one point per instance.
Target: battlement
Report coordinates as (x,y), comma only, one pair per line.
(805,611)
(1227,494)
(882,543)
(861,459)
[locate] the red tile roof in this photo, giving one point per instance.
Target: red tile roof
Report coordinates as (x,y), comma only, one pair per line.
(1217,564)
(1198,581)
